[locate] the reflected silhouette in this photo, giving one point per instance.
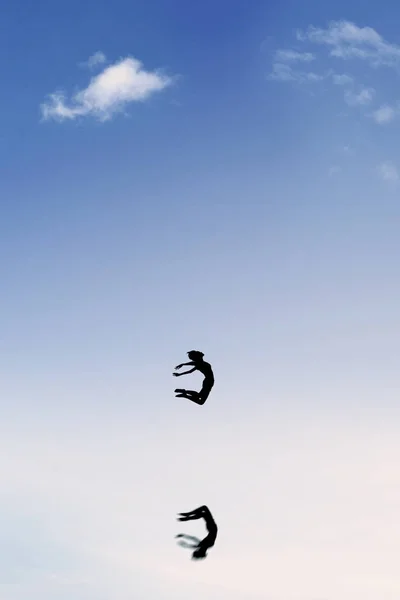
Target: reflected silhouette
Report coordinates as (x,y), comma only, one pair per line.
(185,539)
(198,364)
(200,546)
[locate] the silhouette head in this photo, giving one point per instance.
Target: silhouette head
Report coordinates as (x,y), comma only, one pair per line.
(195,355)
(199,553)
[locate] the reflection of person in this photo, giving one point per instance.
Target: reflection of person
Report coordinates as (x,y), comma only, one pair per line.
(200,546)
(198,364)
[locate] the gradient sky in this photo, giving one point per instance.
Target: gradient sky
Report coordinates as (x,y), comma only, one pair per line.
(221,176)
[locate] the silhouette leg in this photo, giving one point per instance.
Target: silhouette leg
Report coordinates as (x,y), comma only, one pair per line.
(184,544)
(190,395)
(198,513)
(185,393)
(195,397)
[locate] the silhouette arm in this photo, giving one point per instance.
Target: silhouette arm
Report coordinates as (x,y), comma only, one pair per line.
(188,364)
(185,372)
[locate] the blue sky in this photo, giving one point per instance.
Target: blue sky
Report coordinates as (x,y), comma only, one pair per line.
(219,176)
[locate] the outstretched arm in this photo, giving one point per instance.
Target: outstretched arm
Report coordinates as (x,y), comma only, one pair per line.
(184,372)
(188,364)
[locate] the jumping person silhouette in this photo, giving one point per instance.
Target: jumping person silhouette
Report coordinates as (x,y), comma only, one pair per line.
(198,364)
(200,546)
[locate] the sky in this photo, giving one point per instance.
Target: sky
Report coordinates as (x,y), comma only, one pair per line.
(219,176)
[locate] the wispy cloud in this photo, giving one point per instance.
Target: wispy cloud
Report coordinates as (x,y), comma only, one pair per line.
(293,56)
(108,92)
(361,98)
(282,69)
(285,73)
(342,79)
(343,40)
(354,95)
(346,40)
(98,58)
(384,114)
(282,72)
(388,172)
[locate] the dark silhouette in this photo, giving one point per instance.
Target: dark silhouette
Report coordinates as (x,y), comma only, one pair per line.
(200,546)
(198,364)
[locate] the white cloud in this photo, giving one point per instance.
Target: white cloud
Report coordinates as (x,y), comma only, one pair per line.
(283,72)
(293,56)
(384,114)
(361,98)
(108,92)
(389,172)
(347,40)
(342,79)
(344,40)
(313,77)
(98,58)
